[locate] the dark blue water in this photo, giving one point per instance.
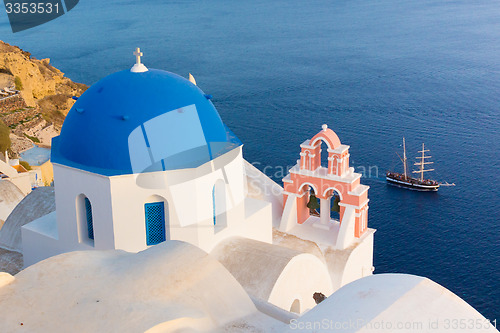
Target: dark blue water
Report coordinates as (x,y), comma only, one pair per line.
(375,71)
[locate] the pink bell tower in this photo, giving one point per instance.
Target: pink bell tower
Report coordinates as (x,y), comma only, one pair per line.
(335,178)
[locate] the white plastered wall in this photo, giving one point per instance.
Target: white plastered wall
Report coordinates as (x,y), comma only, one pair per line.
(352,263)
(118,207)
(346,232)
(69,184)
(189,205)
(23,182)
(303,276)
(360,261)
(261,187)
(65,230)
(289,218)
(41,240)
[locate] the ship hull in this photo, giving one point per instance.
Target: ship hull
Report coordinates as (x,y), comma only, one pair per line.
(412,185)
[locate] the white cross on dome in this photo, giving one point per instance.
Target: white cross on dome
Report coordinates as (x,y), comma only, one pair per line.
(138,67)
(138,54)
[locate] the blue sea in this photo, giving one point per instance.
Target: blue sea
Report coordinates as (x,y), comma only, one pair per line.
(374,71)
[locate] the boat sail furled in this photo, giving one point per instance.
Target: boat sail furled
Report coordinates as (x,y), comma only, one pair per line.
(422,163)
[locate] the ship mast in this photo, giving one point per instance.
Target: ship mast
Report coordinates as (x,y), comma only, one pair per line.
(404,155)
(422,163)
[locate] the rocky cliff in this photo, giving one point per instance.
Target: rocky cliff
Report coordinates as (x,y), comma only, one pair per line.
(37,112)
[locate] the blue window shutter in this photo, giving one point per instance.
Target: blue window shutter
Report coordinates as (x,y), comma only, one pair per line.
(90,222)
(155,223)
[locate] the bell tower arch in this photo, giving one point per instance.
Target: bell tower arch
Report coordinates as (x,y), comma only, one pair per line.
(337,177)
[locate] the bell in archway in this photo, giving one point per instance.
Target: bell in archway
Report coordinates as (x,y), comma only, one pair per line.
(335,206)
(313,203)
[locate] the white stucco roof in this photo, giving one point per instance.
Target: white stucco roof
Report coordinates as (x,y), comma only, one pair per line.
(256,265)
(174,287)
(392,303)
(170,286)
(274,273)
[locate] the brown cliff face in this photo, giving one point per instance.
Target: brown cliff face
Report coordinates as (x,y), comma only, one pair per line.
(39,79)
(45,91)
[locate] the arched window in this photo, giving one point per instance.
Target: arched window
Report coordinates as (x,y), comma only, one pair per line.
(90,221)
(214,212)
(155,222)
(85,220)
(323,154)
(219,208)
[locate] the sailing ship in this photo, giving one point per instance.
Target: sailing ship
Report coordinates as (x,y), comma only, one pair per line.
(406,181)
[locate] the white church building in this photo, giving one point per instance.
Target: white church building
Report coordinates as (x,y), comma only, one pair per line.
(143,157)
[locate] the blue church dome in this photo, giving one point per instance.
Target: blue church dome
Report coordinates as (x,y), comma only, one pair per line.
(133,122)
